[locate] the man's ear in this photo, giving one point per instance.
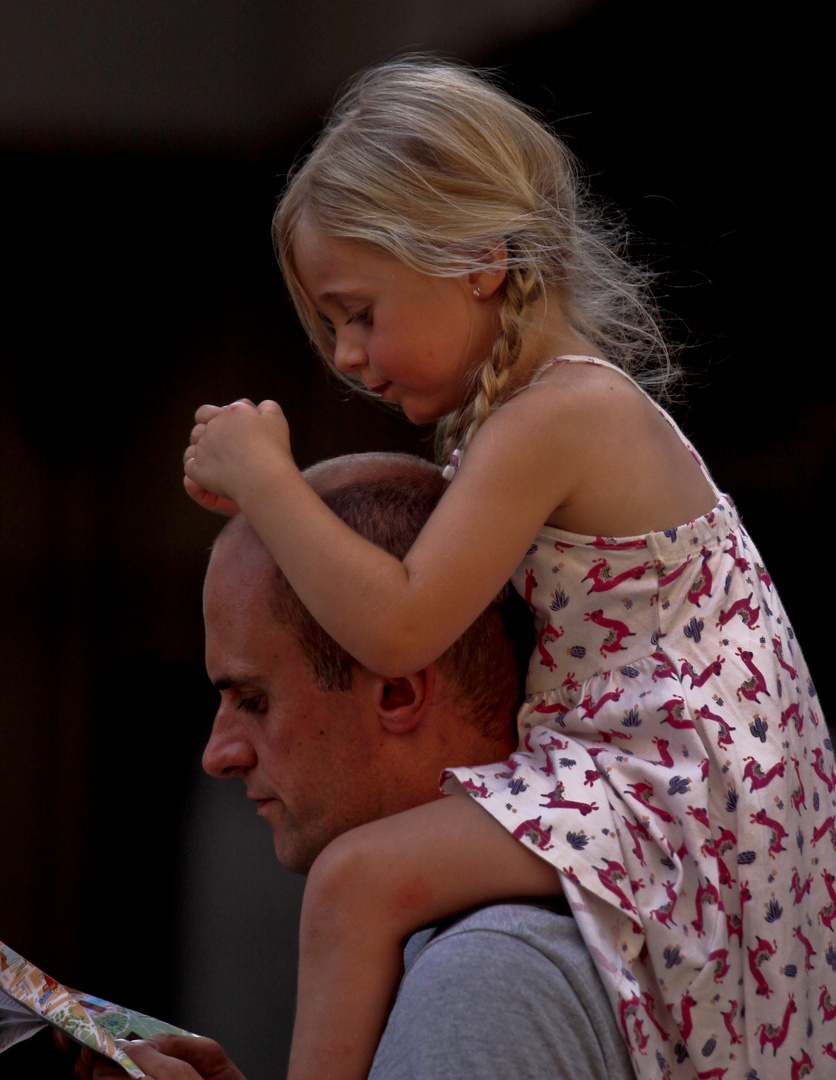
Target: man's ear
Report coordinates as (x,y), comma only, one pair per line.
(402,703)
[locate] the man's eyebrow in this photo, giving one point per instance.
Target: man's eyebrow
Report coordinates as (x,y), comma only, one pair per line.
(228,682)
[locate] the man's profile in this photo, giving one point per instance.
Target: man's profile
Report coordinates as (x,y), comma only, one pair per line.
(323,745)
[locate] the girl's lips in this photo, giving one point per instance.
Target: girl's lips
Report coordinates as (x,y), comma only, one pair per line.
(379,388)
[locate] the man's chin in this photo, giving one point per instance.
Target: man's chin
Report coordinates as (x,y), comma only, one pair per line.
(289,843)
(294,850)
(298,858)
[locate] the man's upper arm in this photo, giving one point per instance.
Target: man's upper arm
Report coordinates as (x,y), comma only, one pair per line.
(506,992)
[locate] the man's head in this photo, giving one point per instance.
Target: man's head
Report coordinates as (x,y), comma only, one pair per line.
(323,744)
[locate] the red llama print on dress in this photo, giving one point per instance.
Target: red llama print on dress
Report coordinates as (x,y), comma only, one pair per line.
(702,872)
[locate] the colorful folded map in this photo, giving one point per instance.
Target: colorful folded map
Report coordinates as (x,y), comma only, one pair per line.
(30,999)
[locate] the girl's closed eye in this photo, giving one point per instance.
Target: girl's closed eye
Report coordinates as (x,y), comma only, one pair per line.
(364,316)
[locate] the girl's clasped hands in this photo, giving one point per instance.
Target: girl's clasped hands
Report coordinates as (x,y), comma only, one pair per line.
(231,449)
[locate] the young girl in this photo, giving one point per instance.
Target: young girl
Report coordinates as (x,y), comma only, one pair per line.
(674,778)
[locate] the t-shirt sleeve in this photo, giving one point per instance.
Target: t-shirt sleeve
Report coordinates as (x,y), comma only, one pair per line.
(507,993)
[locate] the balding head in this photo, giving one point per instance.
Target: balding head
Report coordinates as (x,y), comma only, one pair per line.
(321,743)
(387,498)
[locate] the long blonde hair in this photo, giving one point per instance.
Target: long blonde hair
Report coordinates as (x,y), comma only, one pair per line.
(434,164)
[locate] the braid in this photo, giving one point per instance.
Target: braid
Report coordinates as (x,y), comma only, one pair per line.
(522,287)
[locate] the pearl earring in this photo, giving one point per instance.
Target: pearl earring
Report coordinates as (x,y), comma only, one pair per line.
(477,292)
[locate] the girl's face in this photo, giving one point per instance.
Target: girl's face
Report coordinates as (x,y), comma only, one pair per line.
(411,338)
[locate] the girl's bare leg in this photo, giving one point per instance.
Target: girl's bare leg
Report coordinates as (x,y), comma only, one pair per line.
(366,893)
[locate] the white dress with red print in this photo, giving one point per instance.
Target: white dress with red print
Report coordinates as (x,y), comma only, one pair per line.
(675,769)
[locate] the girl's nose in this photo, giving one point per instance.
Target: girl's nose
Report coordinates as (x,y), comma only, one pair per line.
(349,355)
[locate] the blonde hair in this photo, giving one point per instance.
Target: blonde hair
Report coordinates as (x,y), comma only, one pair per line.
(434,164)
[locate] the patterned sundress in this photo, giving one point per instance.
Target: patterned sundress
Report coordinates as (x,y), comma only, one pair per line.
(675,769)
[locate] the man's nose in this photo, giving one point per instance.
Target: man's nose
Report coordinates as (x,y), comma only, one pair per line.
(227,753)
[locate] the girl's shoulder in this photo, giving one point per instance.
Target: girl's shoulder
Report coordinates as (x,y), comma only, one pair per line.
(624,466)
(586,390)
(580,371)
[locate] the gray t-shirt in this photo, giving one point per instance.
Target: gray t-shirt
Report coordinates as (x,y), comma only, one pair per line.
(508,992)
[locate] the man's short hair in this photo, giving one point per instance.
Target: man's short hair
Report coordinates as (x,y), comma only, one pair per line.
(486,666)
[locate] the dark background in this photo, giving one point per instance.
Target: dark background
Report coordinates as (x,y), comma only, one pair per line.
(143,148)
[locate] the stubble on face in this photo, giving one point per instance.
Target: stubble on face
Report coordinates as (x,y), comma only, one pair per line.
(308,757)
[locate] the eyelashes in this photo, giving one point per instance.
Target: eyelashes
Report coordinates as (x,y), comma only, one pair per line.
(251,704)
(363,317)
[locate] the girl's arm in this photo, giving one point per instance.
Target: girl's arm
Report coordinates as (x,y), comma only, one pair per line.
(507,486)
(366,893)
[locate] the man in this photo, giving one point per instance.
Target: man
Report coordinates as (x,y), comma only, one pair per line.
(324,745)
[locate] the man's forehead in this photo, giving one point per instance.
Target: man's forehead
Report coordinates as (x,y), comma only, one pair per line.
(236,592)
(246,646)
(241,573)
(238,543)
